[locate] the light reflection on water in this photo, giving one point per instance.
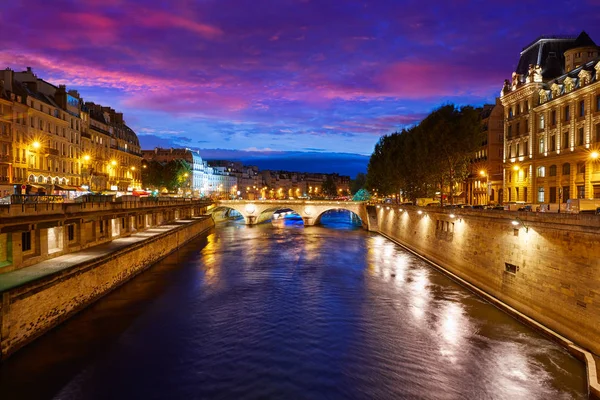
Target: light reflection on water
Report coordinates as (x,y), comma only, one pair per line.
(280,311)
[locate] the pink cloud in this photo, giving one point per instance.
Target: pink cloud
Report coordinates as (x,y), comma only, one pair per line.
(155,19)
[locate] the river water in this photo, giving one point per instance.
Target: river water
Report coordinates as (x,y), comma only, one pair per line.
(279,311)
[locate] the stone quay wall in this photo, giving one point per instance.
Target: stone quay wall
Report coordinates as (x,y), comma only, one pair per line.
(29,310)
(545,266)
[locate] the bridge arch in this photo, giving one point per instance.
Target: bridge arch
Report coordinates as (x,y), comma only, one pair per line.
(336,209)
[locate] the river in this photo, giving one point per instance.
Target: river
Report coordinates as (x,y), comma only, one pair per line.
(279,311)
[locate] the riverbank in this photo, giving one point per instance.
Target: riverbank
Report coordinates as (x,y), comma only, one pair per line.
(455,244)
(39,297)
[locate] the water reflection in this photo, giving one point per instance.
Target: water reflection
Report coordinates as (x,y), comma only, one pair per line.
(296,312)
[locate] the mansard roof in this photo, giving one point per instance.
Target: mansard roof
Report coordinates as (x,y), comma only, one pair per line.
(548,53)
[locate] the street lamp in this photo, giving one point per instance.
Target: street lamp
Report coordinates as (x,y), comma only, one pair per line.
(36,145)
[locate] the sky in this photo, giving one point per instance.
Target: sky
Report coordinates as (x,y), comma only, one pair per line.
(307,85)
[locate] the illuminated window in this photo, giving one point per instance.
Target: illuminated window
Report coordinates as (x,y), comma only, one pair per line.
(540,198)
(541,172)
(542,122)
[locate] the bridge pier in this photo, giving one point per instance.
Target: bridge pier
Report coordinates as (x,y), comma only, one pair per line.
(308,221)
(250,220)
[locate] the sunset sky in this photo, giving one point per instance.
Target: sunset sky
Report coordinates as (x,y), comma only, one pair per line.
(263,80)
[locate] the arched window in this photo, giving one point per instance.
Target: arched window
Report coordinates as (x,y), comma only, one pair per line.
(552,171)
(31,178)
(566,169)
(41,179)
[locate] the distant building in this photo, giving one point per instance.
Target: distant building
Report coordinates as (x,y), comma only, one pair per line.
(205,180)
(484,184)
(552,128)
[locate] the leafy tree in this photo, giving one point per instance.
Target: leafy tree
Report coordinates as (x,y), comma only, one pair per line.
(362,195)
(152,175)
(432,156)
(170,175)
(358,183)
(329,188)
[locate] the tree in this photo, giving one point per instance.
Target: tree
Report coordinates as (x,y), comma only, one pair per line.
(329,188)
(170,175)
(428,158)
(358,183)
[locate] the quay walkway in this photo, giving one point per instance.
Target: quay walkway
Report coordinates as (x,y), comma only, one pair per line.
(45,268)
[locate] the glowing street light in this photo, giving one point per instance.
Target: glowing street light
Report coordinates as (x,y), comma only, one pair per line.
(516,168)
(113,163)
(86,157)
(594,155)
(36,145)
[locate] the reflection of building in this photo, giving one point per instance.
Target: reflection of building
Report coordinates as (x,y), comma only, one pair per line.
(484,184)
(552,129)
(54,148)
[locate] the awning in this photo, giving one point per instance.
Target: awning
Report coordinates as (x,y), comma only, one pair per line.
(36,186)
(64,188)
(68,188)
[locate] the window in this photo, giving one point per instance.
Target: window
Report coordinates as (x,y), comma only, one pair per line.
(580,136)
(565,141)
(566,169)
(567,113)
(596,191)
(552,196)
(525,193)
(566,193)
(581,108)
(517,194)
(552,171)
(540,198)
(598,102)
(526,148)
(509,131)
(553,118)
(518,150)
(25,241)
(552,142)
(581,168)
(71,232)
(518,128)
(510,112)
(581,192)
(542,122)
(526,126)
(541,172)
(527,105)
(597,138)
(101,226)
(542,146)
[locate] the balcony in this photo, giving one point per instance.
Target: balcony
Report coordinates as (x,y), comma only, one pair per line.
(52,152)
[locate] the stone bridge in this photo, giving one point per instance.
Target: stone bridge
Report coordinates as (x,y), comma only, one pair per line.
(257,211)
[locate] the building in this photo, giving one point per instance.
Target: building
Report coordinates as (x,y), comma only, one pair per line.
(53,148)
(484,184)
(205,180)
(552,122)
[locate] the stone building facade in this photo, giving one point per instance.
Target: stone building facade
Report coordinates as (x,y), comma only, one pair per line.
(552,122)
(484,184)
(58,143)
